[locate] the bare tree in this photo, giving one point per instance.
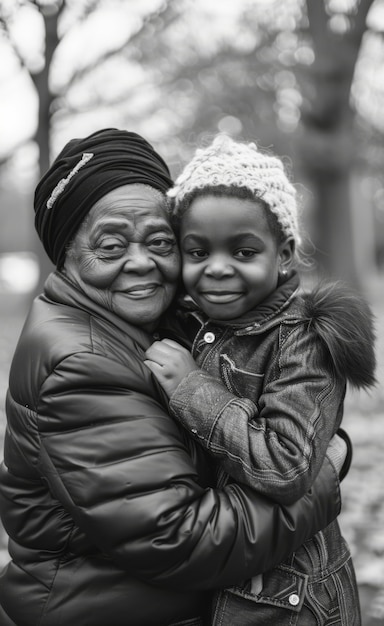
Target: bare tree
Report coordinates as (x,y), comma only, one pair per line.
(53,104)
(329,140)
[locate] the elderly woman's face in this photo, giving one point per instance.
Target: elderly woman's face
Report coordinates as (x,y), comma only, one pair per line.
(125,255)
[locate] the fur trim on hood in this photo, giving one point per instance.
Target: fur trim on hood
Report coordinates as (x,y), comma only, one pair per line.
(344,322)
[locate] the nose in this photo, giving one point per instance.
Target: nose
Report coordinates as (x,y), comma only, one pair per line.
(139,259)
(218,266)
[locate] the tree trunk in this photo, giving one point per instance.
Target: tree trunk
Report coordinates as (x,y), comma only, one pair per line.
(42,136)
(328,146)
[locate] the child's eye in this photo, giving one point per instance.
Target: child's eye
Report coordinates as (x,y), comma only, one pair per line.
(197,253)
(245,253)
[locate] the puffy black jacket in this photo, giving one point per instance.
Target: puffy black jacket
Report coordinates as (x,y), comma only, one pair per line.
(106,504)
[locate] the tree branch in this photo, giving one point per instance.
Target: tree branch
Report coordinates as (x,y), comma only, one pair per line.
(128,43)
(4,22)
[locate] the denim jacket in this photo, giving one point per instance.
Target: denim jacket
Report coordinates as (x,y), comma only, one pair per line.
(266,403)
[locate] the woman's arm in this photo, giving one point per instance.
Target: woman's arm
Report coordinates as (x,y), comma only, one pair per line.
(119,465)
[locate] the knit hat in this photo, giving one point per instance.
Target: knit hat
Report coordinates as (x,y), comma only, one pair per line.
(228,163)
(85,171)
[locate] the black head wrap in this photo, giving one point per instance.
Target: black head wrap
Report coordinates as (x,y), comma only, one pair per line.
(84,171)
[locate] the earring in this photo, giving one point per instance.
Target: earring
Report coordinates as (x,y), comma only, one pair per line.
(284,272)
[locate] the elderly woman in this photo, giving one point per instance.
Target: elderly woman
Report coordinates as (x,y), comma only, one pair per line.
(109,509)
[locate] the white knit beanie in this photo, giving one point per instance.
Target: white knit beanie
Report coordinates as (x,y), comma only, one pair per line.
(226,162)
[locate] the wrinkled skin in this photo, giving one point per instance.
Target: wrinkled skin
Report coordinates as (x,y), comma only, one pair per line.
(125,255)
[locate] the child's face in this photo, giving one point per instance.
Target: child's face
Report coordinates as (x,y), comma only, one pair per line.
(230,258)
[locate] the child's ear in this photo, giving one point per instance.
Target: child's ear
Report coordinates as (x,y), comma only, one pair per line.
(286,254)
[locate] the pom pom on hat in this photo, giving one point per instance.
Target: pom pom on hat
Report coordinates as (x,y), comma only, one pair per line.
(229,163)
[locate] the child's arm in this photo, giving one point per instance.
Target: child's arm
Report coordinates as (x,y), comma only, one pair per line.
(277,447)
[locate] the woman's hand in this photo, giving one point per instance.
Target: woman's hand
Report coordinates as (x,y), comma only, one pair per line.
(169,362)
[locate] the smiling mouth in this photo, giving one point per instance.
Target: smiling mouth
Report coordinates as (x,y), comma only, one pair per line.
(141,291)
(221,297)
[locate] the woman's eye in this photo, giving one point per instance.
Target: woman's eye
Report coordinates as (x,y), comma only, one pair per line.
(162,245)
(112,247)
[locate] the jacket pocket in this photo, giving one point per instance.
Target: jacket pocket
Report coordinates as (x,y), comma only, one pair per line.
(279,601)
(241,382)
(282,586)
(334,599)
(292,598)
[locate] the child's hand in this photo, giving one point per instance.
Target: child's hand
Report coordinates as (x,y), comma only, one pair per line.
(170,363)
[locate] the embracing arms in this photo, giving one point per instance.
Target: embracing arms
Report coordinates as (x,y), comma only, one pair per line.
(121,468)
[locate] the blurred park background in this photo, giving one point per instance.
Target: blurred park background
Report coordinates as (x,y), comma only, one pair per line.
(304,78)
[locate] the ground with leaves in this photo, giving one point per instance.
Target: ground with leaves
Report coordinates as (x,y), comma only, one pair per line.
(362,518)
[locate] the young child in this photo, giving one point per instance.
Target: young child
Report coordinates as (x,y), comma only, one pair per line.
(263,390)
